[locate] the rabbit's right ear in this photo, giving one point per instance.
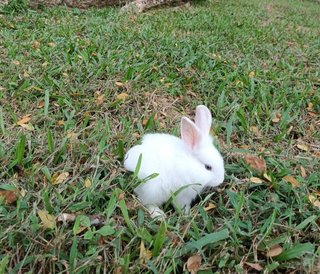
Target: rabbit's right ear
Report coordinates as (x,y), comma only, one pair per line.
(190,133)
(203,119)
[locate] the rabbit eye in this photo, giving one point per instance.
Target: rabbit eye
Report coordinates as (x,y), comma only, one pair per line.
(208,167)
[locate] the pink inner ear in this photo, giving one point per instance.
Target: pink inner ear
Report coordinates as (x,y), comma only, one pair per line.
(190,134)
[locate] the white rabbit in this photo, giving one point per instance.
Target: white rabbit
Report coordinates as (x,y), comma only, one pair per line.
(188,164)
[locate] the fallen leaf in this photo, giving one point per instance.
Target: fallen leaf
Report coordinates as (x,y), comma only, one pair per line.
(24,120)
(99,100)
(267,177)
(122,96)
(252,74)
(9,196)
(44,65)
(313,200)
(290,179)
(194,263)
(36,44)
(145,254)
(277,117)
(52,44)
(118,270)
(209,207)
(274,251)
(303,147)
(16,62)
(255,163)
(60,123)
(121,196)
(255,130)
(87,183)
(255,180)
(59,178)
(310,107)
(119,84)
(40,104)
(47,220)
(303,172)
(255,266)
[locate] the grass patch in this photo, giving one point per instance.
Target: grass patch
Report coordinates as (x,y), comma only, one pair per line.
(91,83)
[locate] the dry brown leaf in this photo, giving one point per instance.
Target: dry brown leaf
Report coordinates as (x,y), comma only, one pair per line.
(24,120)
(255,130)
(274,251)
(194,263)
(59,178)
(100,100)
(255,266)
(303,172)
(119,84)
(47,220)
(9,196)
(122,96)
(145,254)
(60,123)
(87,183)
(313,200)
(118,270)
(210,206)
(303,147)
(121,196)
(290,179)
(277,117)
(255,163)
(256,180)
(40,104)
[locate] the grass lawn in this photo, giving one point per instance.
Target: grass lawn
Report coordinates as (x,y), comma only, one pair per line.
(79,88)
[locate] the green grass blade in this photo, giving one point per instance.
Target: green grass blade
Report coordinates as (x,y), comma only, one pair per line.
(2,122)
(50,142)
(159,240)
(3,264)
(296,251)
(73,254)
(46,102)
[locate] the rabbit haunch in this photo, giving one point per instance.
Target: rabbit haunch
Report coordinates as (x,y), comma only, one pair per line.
(185,165)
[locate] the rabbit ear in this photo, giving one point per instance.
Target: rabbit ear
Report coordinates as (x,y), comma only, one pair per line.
(190,133)
(203,119)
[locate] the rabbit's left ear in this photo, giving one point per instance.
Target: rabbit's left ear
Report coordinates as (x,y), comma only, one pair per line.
(203,119)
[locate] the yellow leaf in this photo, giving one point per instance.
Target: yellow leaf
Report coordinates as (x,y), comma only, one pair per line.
(145,254)
(36,44)
(122,96)
(252,74)
(313,200)
(87,183)
(274,251)
(255,130)
(209,207)
(40,104)
(290,179)
(58,179)
(47,220)
(303,147)
(52,44)
(267,177)
(60,122)
(194,263)
(310,106)
(24,120)
(256,180)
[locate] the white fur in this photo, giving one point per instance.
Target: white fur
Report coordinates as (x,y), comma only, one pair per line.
(179,162)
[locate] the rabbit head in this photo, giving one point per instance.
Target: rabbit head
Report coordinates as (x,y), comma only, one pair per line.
(196,137)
